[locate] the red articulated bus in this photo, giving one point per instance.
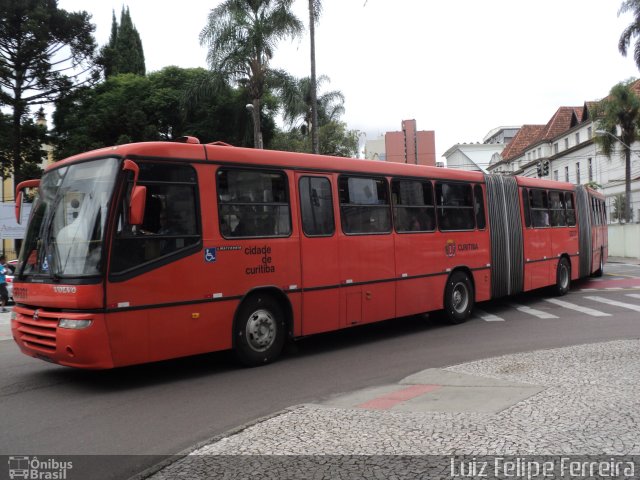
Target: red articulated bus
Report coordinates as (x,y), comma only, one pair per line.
(152,251)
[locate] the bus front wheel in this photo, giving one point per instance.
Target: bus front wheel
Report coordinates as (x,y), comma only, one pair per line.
(563,277)
(259,331)
(458,298)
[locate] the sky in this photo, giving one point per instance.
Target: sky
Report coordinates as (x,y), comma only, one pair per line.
(458,68)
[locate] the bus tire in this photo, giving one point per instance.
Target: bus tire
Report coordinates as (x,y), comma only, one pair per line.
(260,330)
(563,277)
(459,298)
(600,270)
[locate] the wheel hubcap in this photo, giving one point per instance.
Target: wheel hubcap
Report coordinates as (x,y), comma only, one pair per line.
(261,330)
(460,300)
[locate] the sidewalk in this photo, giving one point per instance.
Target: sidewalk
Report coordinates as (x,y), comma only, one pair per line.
(629,260)
(5,324)
(579,400)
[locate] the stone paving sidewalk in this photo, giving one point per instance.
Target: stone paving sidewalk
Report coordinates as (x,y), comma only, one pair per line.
(588,404)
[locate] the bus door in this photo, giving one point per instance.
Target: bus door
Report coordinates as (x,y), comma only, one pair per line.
(366,250)
(318,254)
(538,254)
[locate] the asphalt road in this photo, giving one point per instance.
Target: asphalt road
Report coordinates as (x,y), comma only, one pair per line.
(149,411)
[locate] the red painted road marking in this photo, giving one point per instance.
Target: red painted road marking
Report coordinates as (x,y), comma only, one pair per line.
(392,399)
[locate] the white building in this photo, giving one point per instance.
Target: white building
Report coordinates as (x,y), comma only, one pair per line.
(478,156)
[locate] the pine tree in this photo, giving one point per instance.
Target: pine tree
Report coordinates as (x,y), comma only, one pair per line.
(124,52)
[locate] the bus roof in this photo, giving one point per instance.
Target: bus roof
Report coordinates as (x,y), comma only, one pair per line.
(228,155)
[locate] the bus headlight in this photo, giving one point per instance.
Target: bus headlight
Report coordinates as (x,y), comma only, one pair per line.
(73,324)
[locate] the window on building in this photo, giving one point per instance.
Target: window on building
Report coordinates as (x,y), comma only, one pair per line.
(577,173)
(364,205)
(555,175)
(590,169)
(413,206)
(539,152)
(316,206)
(253,203)
(577,138)
(589,133)
(455,206)
(555,148)
(566,173)
(566,143)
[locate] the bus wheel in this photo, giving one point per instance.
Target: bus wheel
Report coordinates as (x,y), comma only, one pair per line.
(563,277)
(600,270)
(458,298)
(260,331)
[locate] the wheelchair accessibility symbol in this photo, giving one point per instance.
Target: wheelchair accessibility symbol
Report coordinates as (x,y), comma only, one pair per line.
(210,255)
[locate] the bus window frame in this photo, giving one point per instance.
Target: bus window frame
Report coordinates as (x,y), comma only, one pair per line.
(388,205)
(287,189)
(395,206)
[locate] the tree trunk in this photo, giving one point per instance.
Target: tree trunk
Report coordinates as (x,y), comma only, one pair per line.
(257,133)
(16,148)
(628,214)
(315,143)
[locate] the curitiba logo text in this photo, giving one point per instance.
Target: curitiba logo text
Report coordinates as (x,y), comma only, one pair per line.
(36,469)
(451,248)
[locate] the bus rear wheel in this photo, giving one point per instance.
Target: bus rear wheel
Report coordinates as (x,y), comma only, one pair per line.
(563,277)
(259,331)
(459,298)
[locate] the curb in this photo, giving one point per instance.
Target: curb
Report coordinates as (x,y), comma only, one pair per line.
(229,433)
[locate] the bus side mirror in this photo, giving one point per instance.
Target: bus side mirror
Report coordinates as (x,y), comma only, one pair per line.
(20,197)
(137,205)
(138,198)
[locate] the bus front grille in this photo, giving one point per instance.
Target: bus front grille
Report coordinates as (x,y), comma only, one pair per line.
(38,332)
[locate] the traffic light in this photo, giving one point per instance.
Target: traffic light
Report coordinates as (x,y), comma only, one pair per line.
(539,168)
(545,168)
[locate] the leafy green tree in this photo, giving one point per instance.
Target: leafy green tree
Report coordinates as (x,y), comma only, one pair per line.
(241,36)
(124,52)
(44,52)
(632,31)
(132,108)
(620,111)
(33,136)
(335,139)
(297,103)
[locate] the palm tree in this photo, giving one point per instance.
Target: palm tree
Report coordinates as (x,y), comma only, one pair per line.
(241,36)
(297,103)
(315,7)
(633,30)
(620,111)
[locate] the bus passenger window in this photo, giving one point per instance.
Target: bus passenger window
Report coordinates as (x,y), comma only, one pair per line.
(170,225)
(253,203)
(525,204)
(478,206)
(364,205)
(316,206)
(570,208)
(413,206)
(557,209)
(455,206)
(539,208)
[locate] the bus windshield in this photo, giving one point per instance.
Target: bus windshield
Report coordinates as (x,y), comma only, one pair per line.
(65,233)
